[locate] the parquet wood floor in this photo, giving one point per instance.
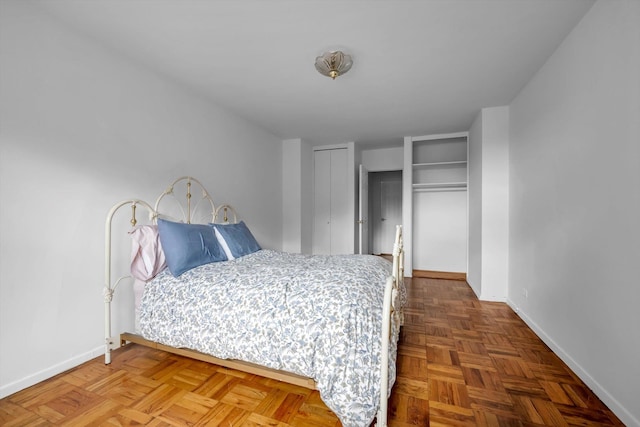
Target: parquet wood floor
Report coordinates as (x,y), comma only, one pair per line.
(462,362)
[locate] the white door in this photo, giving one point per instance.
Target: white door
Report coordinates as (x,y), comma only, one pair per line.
(321,240)
(342,231)
(390,214)
(363,208)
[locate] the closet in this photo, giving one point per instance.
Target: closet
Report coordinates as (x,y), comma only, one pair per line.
(333,200)
(435,202)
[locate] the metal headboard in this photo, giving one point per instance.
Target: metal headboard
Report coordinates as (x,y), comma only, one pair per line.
(170,194)
(225,210)
(186,209)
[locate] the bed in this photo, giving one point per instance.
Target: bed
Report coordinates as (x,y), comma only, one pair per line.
(324,322)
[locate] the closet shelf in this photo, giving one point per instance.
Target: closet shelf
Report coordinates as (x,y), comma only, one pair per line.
(432,164)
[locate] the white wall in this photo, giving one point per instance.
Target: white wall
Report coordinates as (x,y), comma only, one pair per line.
(489,204)
(495,203)
(353,189)
(474,190)
(383,159)
(292,195)
(575,203)
(81,129)
(307,197)
(407,205)
(297,196)
(440,231)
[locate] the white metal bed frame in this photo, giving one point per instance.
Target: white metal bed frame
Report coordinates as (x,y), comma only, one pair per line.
(391,304)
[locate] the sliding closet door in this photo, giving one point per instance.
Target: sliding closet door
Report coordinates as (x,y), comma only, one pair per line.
(341,217)
(321,202)
(332,222)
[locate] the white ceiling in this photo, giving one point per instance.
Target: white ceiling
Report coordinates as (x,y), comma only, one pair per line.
(420,67)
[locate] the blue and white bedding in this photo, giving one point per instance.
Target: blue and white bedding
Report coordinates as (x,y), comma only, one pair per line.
(313,315)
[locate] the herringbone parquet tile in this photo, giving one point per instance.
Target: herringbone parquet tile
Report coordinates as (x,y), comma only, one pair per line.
(461,362)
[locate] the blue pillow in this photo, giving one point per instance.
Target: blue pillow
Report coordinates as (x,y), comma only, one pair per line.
(187,246)
(236,239)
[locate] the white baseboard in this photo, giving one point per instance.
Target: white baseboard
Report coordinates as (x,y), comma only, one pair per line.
(625,416)
(21,384)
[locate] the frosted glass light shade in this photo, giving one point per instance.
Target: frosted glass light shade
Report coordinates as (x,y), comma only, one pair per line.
(333,64)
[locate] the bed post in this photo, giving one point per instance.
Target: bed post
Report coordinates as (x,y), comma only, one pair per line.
(389,309)
(110,288)
(384,359)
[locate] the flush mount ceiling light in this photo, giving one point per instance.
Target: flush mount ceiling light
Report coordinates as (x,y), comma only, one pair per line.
(333,64)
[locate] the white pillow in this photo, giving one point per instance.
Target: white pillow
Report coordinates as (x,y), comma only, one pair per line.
(224,245)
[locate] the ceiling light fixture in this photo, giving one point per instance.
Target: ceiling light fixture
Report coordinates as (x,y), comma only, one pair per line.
(333,64)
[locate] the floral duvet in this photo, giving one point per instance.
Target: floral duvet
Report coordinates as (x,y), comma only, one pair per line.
(313,315)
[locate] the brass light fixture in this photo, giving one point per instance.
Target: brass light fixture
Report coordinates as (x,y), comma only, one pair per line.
(333,64)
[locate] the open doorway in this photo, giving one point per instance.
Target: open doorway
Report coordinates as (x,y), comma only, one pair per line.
(385,210)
